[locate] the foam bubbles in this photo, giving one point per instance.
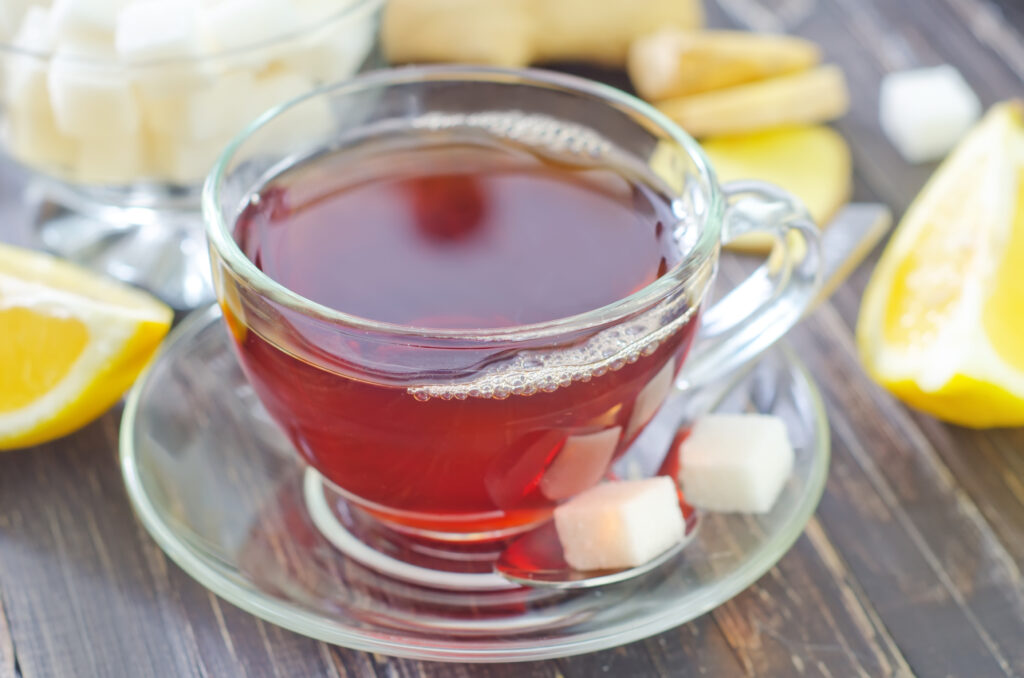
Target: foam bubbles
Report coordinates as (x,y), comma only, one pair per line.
(540,132)
(530,371)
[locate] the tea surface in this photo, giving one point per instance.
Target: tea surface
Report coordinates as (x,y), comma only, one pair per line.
(459,236)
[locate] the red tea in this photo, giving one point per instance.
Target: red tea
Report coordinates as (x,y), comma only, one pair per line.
(461,236)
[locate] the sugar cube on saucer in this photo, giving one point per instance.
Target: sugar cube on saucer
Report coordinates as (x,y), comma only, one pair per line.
(620,524)
(735,462)
(924,112)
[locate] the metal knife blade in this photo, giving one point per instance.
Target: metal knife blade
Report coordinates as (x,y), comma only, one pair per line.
(847,240)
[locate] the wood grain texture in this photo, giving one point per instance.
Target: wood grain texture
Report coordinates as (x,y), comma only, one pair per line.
(911,567)
(8,660)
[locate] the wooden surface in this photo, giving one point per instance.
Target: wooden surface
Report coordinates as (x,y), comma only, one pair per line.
(910,567)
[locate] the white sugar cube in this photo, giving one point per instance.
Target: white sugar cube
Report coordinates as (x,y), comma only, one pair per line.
(235,24)
(308,121)
(620,524)
(651,398)
(90,99)
(580,464)
(925,112)
(12,13)
(32,132)
(10,18)
(276,88)
(25,74)
(215,112)
(165,114)
(25,83)
(735,462)
(158,29)
(320,10)
(35,31)
(77,19)
(34,139)
(182,162)
(111,160)
(336,52)
(174,77)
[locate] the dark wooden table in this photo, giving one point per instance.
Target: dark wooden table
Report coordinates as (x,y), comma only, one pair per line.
(912,565)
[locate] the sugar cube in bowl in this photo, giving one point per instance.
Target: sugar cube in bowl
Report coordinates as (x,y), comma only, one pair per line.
(85,19)
(158,29)
(620,524)
(90,101)
(164,84)
(736,463)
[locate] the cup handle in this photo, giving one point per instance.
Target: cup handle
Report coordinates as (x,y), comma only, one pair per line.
(755,314)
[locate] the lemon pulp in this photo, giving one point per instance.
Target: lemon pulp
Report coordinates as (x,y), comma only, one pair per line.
(1003,314)
(71,342)
(60,340)
(941,324)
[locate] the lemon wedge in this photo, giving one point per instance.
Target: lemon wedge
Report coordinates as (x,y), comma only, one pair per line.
(941,324)
(71,343)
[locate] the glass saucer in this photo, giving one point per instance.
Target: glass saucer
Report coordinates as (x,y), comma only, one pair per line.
(220,489)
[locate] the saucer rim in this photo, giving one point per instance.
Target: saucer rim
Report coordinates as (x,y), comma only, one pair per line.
(236,591)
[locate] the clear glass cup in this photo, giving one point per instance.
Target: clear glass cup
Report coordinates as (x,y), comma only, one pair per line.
(475,435)
(119,147)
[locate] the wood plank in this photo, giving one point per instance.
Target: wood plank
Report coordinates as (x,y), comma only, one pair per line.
(392,667)
(992,62)
(913,561)
(13,210)
(76,589)
(917,545)
(897,495)
(233,642)
(699,648)
(96,596)
(8,660)
(808,615)
(996,27)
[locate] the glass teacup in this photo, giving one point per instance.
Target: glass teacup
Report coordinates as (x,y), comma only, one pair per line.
(467,434)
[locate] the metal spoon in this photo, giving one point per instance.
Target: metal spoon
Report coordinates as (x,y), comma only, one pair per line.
(536,559)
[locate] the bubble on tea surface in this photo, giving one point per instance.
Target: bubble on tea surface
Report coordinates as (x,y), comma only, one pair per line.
(530,371)
(540,132)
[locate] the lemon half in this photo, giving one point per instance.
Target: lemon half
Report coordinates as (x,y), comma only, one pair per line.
(71,343)
(941,324)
